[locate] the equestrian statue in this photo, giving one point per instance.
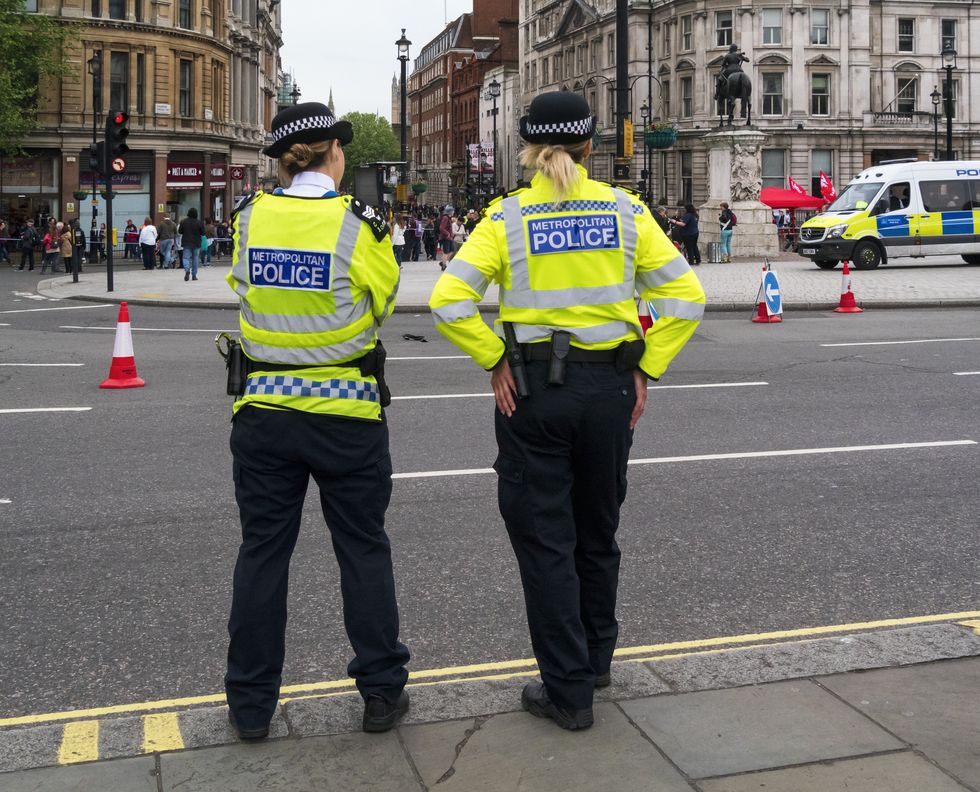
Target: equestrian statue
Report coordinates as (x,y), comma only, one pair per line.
(732,83)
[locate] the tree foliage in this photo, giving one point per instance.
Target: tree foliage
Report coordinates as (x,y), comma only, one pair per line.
(32,51)
(373,142)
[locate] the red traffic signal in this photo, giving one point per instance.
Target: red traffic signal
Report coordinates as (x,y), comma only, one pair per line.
(116,132)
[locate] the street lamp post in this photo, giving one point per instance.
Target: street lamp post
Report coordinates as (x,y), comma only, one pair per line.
(645,115)
(494,90)
(403,44)
(949,63)
(95,69)
(296,93)
(936,99)
(622,165)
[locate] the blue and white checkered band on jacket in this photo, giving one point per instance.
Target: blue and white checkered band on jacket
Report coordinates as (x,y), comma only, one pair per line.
(313,122)
(581,127)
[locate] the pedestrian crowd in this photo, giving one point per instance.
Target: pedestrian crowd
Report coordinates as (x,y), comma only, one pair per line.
(435,233)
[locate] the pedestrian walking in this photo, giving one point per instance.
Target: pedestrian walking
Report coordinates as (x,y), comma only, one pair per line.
(166,232)
(445,236)
(398,239)
(191,231)
(727,220)
(51,242)
(689,233)
(568,254)
(66,242)
(79,242)
(207,243)
(28,239)
(131,237)
(4,233)
(148,243)
(312,407)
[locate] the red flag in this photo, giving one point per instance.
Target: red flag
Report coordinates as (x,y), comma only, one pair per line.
(795,187)
(827,187)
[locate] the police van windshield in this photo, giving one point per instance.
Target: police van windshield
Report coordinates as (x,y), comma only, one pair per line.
(856,197)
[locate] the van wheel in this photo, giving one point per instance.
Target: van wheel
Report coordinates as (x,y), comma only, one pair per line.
(972,259)
(827,264)
(867,255)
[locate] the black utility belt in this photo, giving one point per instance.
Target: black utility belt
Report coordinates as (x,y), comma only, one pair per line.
(543,351)
(559,351)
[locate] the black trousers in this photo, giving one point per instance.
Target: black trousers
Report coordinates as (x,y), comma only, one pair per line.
(691,248)
(275,453)
(27,257)
(147,252)
(561,482)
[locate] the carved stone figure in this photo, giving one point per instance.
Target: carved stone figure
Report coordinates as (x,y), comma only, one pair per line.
(746,181)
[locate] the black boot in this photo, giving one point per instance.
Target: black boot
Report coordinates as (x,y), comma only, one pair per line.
(380,716)
(535,700)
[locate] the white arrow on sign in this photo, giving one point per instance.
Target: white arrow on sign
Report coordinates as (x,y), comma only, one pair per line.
(771,292)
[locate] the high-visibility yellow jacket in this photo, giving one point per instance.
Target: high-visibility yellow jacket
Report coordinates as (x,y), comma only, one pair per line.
(573,267)
(315,281)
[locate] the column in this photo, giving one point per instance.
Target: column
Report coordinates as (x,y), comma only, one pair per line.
(206,189)
(159,185)
(799,78)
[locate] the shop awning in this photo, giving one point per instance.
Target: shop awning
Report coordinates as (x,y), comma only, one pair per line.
(778,198)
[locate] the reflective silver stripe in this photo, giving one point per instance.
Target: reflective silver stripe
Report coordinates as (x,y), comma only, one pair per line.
(350,227)
(311,356)
(569,298)
(305,323)
(240,271)
(391,296)
(596,334)
(453,312)
(628,220)
(514,228)
(469,274)
(679,309)
(671,271)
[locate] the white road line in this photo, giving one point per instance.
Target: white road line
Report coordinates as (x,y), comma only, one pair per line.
(651,387)
(432,357)
(146,329)
(46,410)
(62,308)
(894,343)
(5,500)
(4,324)
(44,365)
(715,457)
(965,373)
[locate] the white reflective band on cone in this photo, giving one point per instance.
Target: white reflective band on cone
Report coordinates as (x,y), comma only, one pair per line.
(123,346)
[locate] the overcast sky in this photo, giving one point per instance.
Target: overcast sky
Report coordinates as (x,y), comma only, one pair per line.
(350,46)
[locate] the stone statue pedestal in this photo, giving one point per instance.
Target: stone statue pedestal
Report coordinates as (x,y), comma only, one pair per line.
(735,176)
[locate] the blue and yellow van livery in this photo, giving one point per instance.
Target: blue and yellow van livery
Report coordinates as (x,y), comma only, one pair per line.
(905,208)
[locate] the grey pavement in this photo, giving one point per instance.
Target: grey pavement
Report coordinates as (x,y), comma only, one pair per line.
(933,282)
(888,710)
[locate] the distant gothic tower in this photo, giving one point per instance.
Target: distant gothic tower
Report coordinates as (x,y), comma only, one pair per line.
(395,100)
(330,104)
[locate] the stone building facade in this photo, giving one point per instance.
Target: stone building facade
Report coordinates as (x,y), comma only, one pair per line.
(199,80)
(837,86)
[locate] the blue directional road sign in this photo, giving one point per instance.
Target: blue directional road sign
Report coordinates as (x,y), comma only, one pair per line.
(770,288)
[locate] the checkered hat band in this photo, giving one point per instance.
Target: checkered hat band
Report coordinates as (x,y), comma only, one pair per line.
(302,124)
(583,127)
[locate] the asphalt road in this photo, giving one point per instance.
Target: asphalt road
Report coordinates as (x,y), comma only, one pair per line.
(119,526)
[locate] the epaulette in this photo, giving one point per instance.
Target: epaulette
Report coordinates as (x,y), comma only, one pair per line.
(245,201)
(496,201)
(627,190)
(375,221)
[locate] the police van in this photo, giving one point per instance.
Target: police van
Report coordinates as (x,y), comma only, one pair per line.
(899,208)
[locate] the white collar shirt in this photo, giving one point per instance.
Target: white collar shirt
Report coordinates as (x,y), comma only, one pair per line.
(310,184)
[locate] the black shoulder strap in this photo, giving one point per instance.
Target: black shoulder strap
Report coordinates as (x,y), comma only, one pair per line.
(375,221)
(626,190)
(245,201)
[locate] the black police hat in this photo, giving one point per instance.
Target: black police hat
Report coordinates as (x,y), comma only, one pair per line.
(558,117)
(309,122)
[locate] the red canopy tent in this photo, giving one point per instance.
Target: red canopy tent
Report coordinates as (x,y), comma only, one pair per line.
(778,198)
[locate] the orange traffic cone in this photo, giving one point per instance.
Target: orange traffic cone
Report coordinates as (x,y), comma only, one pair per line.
(847,301)
(643,310)
(122,372)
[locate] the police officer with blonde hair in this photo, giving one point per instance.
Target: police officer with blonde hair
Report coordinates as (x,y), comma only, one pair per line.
(316,278)
(569,369)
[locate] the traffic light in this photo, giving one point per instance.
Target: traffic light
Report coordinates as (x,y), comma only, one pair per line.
(116,132)
(95,157)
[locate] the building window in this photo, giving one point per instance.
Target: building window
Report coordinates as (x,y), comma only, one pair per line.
(666,38)
(544,71)
(687,33)
(569,62)
(30,6)
(556,68)
(908,94)
(611,49)
(774,168)
(186,88)
(906,35)
(534,75)
(119,81)
(140,83)
(949,35)
(687,178)
(582,51)
(666,98)
(218,91)
(184,19)
(687,97)
(138,10)
(664,159)
(723,28)
(820,94)
(772,94)
(611,105)
(117,9)
(772,26)
(820,160)
(96,8)
(820,26)
(594,58)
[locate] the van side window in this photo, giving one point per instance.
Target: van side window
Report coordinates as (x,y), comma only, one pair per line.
(898,197)
(946,196)
(975,184)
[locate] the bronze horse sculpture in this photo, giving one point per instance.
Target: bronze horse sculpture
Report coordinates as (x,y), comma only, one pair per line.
(736,85)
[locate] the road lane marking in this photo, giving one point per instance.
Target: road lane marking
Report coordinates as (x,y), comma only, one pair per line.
(4,324)
(44,365)
(973,624)
(146,329)
(62,308)
(965,373)
(432,357)
(79,743)
(503,666)
(713,457)
(161,732)
(424,396)
(45,410)
(5,500)
(894,343)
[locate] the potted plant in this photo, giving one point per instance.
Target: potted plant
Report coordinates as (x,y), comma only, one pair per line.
(389,189)
(80,195)
(419,188)
(660,135)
